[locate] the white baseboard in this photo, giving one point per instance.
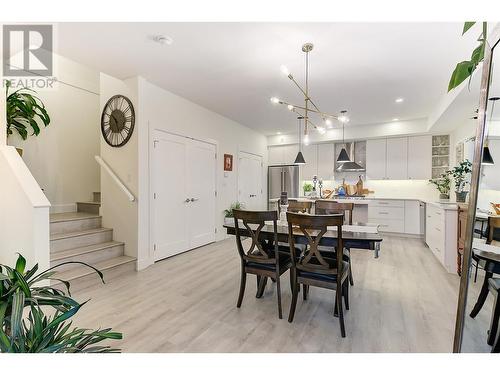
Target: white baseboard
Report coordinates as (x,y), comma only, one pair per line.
(60,208)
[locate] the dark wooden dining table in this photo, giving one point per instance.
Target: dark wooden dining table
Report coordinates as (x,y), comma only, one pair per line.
(358,236)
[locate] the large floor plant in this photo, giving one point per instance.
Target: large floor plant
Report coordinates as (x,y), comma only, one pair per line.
(24,111)
(38,331)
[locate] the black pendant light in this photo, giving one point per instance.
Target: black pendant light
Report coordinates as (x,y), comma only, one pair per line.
(299,160)
(487,159)
(343,156)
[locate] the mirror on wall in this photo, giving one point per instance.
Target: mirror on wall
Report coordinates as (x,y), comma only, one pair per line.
(480,300)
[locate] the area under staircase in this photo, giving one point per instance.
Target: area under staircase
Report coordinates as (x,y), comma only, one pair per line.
(79,236)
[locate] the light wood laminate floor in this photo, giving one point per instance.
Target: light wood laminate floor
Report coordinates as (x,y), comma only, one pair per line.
(403,301)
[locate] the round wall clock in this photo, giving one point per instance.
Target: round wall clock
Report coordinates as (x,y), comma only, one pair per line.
(117,121)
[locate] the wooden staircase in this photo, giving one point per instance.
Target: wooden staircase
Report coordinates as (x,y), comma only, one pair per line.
(79,236)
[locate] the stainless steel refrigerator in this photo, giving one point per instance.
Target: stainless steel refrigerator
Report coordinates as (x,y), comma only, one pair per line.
(282,178)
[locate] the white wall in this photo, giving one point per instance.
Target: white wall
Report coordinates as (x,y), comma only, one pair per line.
(61,158)
(163,110)
(24,209)
(117,211)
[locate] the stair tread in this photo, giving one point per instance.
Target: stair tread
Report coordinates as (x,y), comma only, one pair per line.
(89,202)
(72,216)
(59,236)
(81,270)
(83,250)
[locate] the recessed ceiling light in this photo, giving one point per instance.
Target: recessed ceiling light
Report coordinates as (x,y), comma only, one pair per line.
(395,119)
(399,100)
(162,39)
(278,133)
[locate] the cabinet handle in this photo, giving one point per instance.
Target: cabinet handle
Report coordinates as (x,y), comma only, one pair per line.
(439,230)
(383,213)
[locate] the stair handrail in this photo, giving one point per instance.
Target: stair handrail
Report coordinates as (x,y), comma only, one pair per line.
(115,178)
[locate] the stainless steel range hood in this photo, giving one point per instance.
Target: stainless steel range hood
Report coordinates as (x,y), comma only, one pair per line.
(350,166)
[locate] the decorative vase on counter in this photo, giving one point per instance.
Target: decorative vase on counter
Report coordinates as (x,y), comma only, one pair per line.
(461,196)
(444,196)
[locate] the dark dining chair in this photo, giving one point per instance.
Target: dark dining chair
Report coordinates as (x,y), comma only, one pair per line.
(492,233)
(263,259)
(493,334)
(327,207)
(317,268)
(299,206)
(490,267)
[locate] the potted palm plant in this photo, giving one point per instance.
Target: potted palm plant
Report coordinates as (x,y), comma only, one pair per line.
(228,214)
(24,113)
(443,184)
(460,175)
(35,318)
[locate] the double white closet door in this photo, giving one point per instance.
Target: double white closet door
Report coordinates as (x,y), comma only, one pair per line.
(183,194)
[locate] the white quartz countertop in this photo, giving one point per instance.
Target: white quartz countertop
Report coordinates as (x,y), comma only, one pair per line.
(443,204)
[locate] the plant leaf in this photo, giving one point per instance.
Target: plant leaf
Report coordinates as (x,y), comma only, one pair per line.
(462,71)
(20,264)
(17,314)
(467,26)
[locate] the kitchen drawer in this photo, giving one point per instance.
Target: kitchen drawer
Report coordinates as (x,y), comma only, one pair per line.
(390,225)
(387,203)
(435,212)
(394,213)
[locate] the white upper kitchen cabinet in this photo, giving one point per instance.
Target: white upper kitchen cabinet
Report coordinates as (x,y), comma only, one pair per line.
(326,160)
(376,159)
(279,155)
(420,157)
(310,168)
(397,159)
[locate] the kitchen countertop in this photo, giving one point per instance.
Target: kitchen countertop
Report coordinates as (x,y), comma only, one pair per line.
(443,204)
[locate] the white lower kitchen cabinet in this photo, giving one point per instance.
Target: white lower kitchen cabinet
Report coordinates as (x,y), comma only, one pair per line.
(441,234)
(395,216)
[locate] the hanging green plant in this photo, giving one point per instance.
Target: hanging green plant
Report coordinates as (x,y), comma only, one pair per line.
(464,69)
(24,110)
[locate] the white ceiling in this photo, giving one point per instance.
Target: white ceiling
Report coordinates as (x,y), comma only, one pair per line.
(233,68)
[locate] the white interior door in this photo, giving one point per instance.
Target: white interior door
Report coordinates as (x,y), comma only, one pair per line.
(182,194)
(169,199)
(250,181)
(201,191)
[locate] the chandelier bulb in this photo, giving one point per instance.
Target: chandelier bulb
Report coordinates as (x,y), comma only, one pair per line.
(275,100)
(306,139)
(284,70)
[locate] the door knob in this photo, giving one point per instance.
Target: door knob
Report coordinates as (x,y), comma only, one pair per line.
(187,200)
(194,199)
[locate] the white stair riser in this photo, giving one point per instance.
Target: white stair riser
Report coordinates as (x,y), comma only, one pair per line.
(87,207)
(90,258)
(80,241)
(75,225)
(93,280)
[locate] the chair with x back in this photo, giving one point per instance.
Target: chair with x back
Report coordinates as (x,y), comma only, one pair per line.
(299,206)
(263,259)
(326,207)
(318,268)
